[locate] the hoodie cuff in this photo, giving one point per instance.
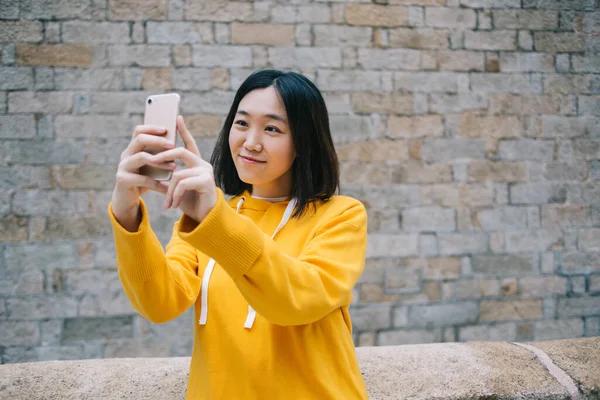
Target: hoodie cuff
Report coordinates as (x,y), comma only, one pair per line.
(234,241)
(138,251)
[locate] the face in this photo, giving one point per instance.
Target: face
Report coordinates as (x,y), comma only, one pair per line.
(261,144)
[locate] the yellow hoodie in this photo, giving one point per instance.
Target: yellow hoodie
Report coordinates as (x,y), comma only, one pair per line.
(272,318)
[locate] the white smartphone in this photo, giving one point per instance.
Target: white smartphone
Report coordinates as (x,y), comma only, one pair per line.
(161,110)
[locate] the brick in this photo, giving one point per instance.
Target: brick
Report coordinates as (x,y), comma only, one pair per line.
(82,329)
(15,78)
(448,150)
(416,127)
(392,245)
(17,127)
(395,59)
(75,228)
(586,63)
(437,268)
(349,80)
(421,38)
(505,83)
(117,103)
(137,10)
(402,281)
(93,126)
(371,318)
(491,3)
(526,149)
(20,31)
(139,55)
(310,13)
(431,81)
(460,60)
(473,126)
(560,5)
(386,103)
(428,219)
(24,177)
(522,105)
(559,42)
(204,125)
(419,173)
(526,62)
(505,265)
(594,283)
(14,229)
(57,55)
(525,19)
(374,151)
(559,126)
(394,338)
(375,15)
(502,218)
(343,36)
(500,171)
(41,152)
(215,102)
(269,34)
(538,193)
(222,56)
(552,330)
(218,11)
(589,239)
(47,9)
(491,40)
(542,286)
(85,177)
(347,128)
(443,315)
(462,243)
(182,56)
(179,33)
(568,84)
(157,79)
(488,333)
(589,105)
(555,215)
(19,333)
(579,262)
(456,103)
(39,307)
(455,18)
(578,307)
(46,203)
(565,172)
(510,310)
(87,79)
(91,281)
(305,57)
(95,32)
(9,10)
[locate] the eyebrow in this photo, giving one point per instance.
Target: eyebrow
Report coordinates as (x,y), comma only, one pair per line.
(272,116)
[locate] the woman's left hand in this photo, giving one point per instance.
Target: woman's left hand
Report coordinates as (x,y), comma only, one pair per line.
(193,189)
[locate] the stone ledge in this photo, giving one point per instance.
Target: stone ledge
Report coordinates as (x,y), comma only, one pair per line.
(444,371)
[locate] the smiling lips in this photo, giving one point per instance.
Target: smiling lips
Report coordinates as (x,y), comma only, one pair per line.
(251,160)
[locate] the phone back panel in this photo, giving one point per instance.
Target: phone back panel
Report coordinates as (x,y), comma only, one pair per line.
(161,110)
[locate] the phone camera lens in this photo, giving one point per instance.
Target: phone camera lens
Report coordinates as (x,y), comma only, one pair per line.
(149,101)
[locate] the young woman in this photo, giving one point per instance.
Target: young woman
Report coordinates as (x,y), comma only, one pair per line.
(271,270)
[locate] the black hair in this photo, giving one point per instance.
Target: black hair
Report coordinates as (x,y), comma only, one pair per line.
(315,170)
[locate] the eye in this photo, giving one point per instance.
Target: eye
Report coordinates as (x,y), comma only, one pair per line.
(241,123)
(272,128)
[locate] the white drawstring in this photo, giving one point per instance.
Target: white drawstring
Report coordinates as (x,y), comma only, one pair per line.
(211,264)
(206,279)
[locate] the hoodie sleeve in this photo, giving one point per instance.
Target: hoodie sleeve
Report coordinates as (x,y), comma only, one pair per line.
(283,289)
(160,286)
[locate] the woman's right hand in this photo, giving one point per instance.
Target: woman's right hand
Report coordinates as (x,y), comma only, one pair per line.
(130,185)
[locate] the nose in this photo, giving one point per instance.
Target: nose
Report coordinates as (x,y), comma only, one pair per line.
(253,140)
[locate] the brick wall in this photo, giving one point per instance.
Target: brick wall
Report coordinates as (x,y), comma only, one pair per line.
(469,128)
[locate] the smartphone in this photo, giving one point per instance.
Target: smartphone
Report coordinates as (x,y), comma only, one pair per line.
(161,110)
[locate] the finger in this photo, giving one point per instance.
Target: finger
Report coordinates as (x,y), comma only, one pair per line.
(130,179)
(142,141)
(175,178)
(196,183)
(149,129)
(186,136)
(138,160)
(180,153)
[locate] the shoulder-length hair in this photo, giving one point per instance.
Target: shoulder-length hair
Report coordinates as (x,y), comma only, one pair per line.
(315,171)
